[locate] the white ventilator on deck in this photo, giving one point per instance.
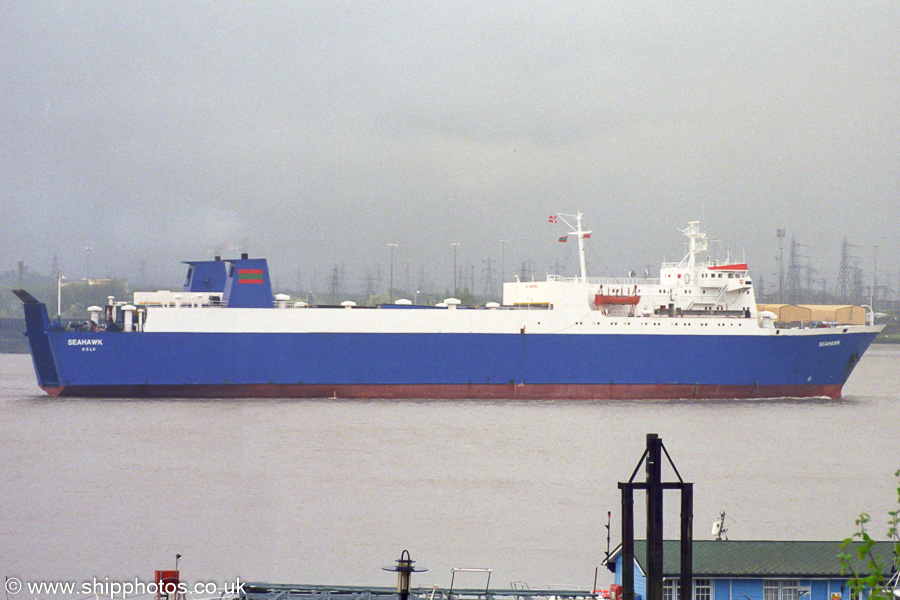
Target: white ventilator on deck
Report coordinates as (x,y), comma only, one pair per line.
(281,300)
(95,314)
(128,319)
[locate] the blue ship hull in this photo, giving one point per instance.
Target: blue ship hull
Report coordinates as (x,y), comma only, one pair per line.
(439,365)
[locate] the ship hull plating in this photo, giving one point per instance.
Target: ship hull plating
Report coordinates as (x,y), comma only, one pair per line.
(453,366)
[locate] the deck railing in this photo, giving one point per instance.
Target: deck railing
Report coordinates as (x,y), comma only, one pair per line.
(607,280)
(269,591)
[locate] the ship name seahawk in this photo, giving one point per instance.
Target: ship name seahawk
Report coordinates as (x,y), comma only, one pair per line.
(85,342)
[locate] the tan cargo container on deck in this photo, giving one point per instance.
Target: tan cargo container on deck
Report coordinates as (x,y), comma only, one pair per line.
(806,313)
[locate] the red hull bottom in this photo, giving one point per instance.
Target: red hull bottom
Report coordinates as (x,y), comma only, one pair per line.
(538,391)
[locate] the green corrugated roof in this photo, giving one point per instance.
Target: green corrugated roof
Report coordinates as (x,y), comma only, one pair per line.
(758,558)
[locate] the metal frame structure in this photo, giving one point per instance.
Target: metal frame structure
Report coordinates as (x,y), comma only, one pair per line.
(655,486)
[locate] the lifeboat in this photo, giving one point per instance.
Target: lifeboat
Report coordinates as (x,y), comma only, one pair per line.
(608,300)
(618,296)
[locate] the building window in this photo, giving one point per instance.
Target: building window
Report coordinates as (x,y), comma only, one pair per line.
(670,589)
(789,590)
(702,589)
(786,589)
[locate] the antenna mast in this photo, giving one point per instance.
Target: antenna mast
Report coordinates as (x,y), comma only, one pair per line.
(697,243)
(581,234)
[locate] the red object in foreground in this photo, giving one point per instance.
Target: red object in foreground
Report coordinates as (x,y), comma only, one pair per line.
(166,584)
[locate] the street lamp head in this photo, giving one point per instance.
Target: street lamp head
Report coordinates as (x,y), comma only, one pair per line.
(403,568)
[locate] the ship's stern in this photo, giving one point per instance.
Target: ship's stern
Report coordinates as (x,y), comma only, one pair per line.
(37,328)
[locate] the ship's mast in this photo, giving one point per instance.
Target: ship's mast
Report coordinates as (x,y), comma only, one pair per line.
(580,234)
(697,242)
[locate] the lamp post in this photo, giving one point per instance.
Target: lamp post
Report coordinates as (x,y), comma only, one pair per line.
(391,291)
(403,568)
(59,278)
(780,234)
(502,263)
(87,270)
(874,293)
(455,246)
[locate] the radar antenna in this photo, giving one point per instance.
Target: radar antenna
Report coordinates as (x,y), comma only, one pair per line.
(720,529)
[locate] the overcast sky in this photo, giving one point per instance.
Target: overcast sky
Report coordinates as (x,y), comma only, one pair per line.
(315,133)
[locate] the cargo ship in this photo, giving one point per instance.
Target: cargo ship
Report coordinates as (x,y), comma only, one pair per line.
(693,332)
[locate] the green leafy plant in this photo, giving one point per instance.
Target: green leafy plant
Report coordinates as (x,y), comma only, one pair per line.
(870,570)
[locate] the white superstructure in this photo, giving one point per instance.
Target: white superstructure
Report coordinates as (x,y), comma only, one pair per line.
(690,287)
(695,296)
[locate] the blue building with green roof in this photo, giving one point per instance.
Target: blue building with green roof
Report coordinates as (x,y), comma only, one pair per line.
(753,570)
